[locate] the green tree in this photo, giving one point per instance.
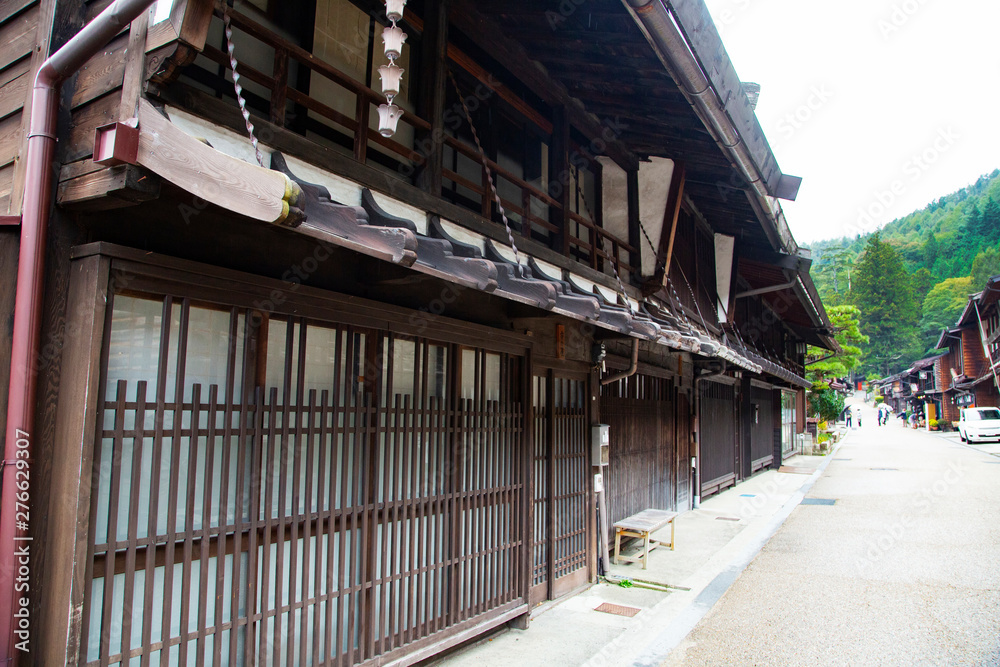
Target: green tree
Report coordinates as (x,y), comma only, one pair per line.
(943,305)
(845,321)
(826,403)
(990,224)
(931,250)
(923,281)
(984,266)
(889,313)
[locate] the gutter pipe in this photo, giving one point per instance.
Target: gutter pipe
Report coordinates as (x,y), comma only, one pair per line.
(37,200)
(631,369)
(682,64)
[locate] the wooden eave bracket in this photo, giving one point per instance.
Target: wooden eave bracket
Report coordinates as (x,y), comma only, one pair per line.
(228,182)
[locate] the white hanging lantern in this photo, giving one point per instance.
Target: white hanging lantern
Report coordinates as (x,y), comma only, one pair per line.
(388,117)
(393,37)
(392,75)
(394,9)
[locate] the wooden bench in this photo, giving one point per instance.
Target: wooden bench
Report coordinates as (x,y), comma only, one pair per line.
(641,525)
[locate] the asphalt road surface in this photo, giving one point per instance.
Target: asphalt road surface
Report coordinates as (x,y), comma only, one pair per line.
(902,569)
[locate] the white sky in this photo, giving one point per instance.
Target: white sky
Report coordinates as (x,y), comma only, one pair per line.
(881,106)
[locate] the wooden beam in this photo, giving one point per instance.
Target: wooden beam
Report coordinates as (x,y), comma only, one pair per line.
(245,189)
(135,64)
(514,57)
(434,89)
(675,197)
(634,238)
(108,188)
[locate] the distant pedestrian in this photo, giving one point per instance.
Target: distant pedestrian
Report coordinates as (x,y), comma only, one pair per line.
(857,416)
(848,418)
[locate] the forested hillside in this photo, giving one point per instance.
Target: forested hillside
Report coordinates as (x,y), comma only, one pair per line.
(919,274)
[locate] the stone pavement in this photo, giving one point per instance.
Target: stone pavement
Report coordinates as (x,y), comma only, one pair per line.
(714,545)
(901,570)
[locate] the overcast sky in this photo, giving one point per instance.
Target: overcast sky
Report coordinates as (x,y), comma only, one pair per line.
(881,106)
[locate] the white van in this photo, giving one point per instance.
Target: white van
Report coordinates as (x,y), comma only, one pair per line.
(979,424)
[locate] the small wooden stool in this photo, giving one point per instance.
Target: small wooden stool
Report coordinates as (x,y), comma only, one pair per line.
(642,525)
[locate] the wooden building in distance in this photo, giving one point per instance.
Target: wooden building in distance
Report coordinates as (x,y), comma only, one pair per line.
(330,409)
(968,373)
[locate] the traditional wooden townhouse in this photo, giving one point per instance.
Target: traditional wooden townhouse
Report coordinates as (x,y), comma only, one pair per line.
(968,372)
(319,306)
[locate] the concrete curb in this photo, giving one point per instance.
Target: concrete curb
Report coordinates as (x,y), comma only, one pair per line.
(657,650)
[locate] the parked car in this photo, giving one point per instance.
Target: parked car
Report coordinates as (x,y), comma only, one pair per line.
(979,424)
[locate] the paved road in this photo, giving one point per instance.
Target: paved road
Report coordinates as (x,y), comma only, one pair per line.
(903,570)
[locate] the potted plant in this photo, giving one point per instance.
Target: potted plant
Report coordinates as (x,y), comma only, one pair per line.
(932,424)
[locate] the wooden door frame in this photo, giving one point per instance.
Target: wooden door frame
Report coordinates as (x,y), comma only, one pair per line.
(551,369)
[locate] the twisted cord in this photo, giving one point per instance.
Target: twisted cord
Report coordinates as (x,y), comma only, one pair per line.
(230,47)
(489,172)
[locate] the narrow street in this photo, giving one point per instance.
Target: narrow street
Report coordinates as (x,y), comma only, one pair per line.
(903,568)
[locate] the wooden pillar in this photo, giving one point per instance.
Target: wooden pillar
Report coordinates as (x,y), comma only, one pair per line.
(433,96)
(634,234)
(777,398)
(746,426)
(560,174)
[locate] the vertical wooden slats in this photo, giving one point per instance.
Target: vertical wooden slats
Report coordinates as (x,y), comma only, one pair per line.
(406,520)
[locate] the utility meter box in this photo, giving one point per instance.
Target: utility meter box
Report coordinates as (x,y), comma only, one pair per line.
(600,440)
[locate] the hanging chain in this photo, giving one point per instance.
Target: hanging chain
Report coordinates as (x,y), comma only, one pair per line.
(230,47)
(489,172)
(604,247)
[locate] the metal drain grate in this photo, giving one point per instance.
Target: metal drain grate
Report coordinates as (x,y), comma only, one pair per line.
(726,518)
(748,495)
(819,501)
(843,459)
(892,469)
(617,609)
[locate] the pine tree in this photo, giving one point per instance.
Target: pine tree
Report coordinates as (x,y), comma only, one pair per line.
(931,250)
(989,224)
(889,314)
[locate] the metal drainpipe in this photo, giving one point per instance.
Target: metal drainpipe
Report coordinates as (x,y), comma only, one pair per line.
(655,18)
(631,369)
(30,281)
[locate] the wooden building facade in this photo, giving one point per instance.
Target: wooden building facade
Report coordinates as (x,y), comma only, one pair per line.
(968,372)
(335,407)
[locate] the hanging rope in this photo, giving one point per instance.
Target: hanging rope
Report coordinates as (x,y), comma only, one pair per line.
(230,47)
(489,172)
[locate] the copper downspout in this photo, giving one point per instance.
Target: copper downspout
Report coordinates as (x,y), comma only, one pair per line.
(20,430)
(633,367)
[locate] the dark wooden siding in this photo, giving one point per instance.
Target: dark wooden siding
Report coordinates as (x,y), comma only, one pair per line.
(641,474)
(761,428)
(717,420)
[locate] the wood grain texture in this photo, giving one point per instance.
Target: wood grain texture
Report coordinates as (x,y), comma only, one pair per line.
(108,188)
(9,8)
(86,119)
(102,73)
(228,182)
(135,64)
(10,139)
(17,36)
(14,83)
(46,13)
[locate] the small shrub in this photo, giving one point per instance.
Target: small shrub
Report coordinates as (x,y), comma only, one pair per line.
(823,437)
